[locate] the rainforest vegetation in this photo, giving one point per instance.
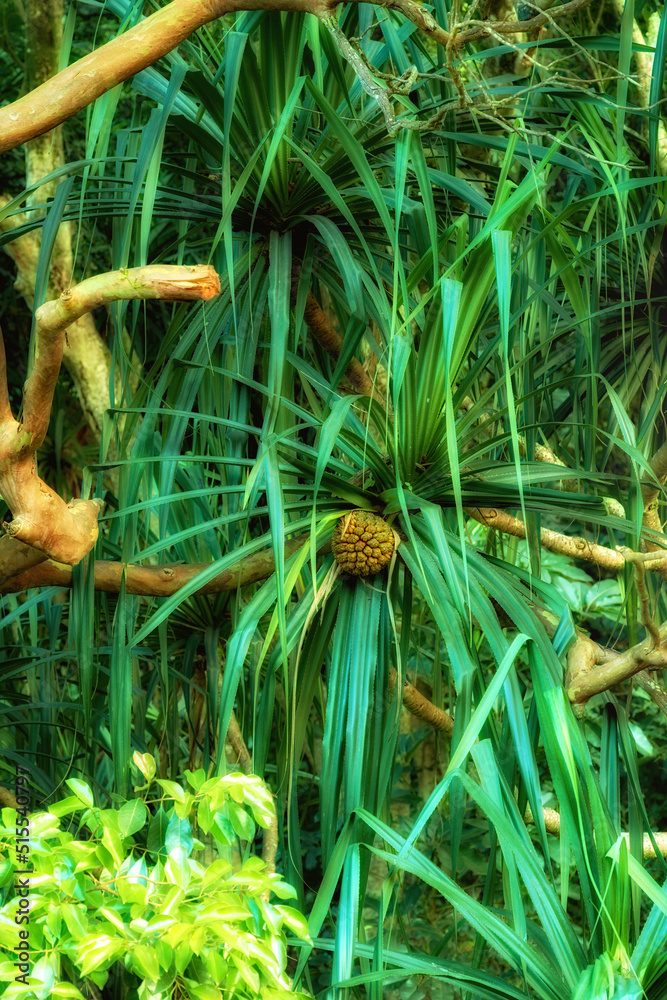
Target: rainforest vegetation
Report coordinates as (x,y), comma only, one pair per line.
(332,463)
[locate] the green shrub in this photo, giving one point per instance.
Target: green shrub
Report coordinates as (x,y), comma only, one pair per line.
(124,896)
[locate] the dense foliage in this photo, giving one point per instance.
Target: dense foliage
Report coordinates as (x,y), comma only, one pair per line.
(132,885)
(437,326)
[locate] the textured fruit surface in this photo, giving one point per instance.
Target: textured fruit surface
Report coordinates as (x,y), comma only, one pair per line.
(362,543)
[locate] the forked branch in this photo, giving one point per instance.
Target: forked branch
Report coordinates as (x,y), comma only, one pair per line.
(78,85)
(590,673)
(63,531)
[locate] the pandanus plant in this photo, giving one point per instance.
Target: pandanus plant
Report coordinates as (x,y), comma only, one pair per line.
(390,344)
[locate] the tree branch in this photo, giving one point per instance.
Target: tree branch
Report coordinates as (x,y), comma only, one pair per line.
(571,545)
(152,581)
(482,29)
(66,532)
(422,708)
(16,558)
(555,541)
(584,655)
(328,337)
(552,825)
(585,679)
(84,81)
(654,689)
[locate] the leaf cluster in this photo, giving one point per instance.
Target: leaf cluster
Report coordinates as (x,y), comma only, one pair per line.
(122,889)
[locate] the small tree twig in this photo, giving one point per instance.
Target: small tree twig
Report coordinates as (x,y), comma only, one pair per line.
(481,29)
(420,17)
(364,74)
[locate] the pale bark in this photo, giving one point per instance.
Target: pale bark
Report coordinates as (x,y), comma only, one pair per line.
(17,558)
(585,678)
(572,546)
(85,355)
(642,81)
(328,337)
(650,492)
(66,532)
(83,82)
(567,545)
(7,799)
(150,581)
(552,824)
(237,752)
(423,709)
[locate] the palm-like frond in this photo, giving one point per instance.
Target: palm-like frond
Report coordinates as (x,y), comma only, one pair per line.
(499,302)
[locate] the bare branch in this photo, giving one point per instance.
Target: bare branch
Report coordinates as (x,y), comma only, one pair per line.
(482,29)
(552,823)
(364,74)
(583,685)
(584,655)
(555,541)
(148,581)
(83,82)
(326,334)
(422,708)
(420,17)
(66,532)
